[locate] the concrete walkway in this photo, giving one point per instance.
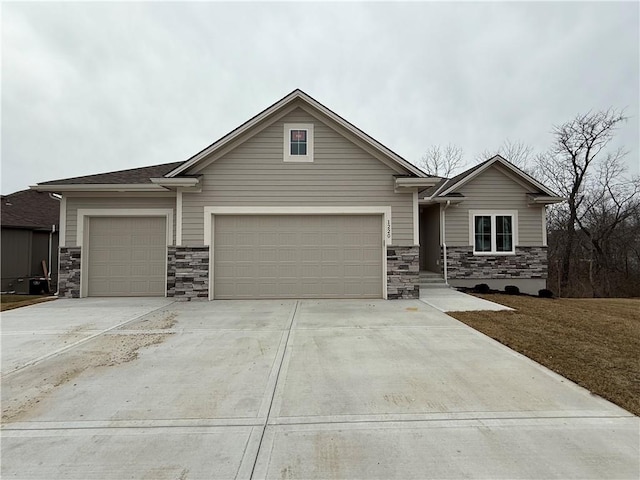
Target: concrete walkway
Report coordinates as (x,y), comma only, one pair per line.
(451,300)
(291,389)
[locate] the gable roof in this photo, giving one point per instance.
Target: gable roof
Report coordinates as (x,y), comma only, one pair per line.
(129,176)
(306,100)
(30,209)
(450,186)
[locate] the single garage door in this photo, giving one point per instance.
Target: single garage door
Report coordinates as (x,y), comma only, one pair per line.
(127,256)
(297,256)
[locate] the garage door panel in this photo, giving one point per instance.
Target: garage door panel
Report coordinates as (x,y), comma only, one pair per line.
(310,239)
(369,271)
(310,270)
(353,271)
(297,256)
(127,256)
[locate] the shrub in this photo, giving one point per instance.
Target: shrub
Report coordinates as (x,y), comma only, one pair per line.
(481,288)
(512,290)
(545,293)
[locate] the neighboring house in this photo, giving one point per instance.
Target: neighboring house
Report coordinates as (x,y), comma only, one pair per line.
(295,203)
(29,237)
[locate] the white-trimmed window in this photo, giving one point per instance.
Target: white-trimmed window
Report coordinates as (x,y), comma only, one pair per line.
(493,232)
(298,142)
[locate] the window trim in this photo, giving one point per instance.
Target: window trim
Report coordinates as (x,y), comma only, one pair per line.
(493,214)
(308,158)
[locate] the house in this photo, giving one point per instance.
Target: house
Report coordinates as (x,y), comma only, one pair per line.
(295,203)
(29,222)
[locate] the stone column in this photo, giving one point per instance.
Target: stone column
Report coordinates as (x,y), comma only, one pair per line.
(403,272)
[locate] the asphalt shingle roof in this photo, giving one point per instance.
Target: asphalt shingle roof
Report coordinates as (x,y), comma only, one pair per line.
(30,209)
(130,176)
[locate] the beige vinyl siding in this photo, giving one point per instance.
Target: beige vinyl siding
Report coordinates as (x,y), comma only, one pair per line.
(493,190)
(254,174)
(74,203)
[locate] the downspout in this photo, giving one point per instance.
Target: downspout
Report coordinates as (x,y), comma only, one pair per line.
(53,230)
(444,242)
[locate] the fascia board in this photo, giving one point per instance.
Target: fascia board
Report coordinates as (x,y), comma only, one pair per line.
(466,179)
(366,138)
(545,200)
(100,187)
(232,135)
(238,140)
(176,181)
(244,128)
(528,178)
(452,200)
(505,164)
(412,182)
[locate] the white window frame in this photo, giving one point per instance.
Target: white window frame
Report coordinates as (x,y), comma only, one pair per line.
(493,214)
(308,158)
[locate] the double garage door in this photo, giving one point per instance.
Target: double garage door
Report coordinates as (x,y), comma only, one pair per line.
(127,256)
(297,256)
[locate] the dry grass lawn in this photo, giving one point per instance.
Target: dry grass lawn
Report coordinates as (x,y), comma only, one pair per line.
(9,302)
(593,342)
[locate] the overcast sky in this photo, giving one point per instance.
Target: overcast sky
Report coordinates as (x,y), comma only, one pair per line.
(95,87)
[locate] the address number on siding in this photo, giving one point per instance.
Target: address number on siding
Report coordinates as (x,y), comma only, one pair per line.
(388,230)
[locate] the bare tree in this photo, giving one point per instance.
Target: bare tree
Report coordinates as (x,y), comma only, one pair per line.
(442,161)
(609,202)
(516,152)
(579,167)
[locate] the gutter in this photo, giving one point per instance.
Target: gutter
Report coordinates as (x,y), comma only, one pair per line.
(544,199)
(99,187)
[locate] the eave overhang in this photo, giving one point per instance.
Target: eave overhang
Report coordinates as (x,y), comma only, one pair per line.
(451,199)
(184,183)
(100,187)
(533,199)
(411,183)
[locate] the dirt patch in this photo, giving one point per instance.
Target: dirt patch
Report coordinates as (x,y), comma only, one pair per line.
(24,392)
(161,320)
(593,342)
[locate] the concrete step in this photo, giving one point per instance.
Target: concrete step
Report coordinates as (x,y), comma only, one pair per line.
(431,280)
(427,273)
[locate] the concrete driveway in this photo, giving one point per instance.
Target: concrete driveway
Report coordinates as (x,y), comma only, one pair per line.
(147,388)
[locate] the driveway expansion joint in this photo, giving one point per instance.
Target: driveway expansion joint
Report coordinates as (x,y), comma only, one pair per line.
(280,360)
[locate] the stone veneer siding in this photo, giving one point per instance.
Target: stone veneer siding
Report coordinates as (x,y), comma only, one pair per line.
(188,273)
(403,272)
(528,262)
(69,272)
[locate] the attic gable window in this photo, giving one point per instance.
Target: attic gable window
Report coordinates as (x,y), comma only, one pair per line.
(298,142)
